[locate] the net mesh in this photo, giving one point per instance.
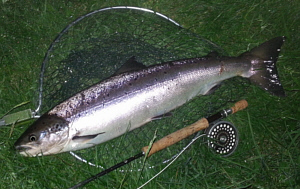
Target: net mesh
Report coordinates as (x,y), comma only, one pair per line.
(94,46)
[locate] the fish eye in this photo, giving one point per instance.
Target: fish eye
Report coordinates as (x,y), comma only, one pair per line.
(32,138)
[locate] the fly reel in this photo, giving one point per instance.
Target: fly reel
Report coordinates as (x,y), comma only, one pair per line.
(222,138)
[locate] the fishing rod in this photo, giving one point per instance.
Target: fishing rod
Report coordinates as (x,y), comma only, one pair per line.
(171,139)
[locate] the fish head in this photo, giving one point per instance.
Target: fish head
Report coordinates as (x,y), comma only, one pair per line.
(47,135)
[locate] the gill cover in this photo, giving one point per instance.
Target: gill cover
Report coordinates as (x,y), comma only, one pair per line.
(44,133)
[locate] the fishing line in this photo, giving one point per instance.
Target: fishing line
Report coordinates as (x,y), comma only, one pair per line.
(175,158)
(85,161)
(99,166)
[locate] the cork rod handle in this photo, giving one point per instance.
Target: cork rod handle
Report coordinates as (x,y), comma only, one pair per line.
(187,131)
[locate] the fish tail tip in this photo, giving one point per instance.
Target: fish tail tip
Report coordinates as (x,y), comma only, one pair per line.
(264,70)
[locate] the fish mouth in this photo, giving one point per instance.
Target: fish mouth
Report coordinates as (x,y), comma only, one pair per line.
(22,148)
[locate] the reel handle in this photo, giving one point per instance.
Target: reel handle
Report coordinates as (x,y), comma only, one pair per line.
(189,130)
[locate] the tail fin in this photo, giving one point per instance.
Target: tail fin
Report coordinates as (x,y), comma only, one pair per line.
(264,71)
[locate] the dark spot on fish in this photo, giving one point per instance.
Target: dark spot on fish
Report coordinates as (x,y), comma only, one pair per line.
(82,98)
(222,68)
(165,72)
(129,84)
(56,127)
(68,114)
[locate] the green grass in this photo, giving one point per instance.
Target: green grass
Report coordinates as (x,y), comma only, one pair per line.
(268,153)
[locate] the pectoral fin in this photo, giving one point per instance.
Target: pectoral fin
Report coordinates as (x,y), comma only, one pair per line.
(213,89)
(85,138)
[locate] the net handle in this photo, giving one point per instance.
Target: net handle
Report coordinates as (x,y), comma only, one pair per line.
(189,130)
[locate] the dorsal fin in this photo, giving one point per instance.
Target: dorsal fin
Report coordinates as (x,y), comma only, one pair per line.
(130,65)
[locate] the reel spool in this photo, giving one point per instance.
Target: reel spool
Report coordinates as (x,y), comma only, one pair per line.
(223,138)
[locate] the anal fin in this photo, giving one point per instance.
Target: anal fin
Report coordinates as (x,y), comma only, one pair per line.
(169,114)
